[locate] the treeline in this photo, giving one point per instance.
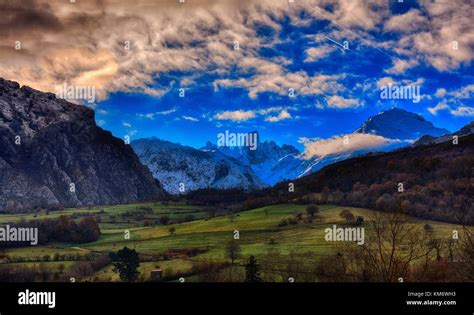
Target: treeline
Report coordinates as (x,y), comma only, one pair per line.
(61,229)
(44,273)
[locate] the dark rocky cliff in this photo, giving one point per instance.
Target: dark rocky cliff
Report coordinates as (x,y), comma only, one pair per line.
(53,154)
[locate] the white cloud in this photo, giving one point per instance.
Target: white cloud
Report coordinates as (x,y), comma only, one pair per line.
(337,101)
(284,114)
(126,125)
(409,22)
(268,113)
(385,81)
(190,118)
(275,109)
(444,40)
(160,113)
(166,112)
(463,111)
(440,92)
(400,66)
(281,83)
(344,144)
(315,53)
(437,108)
(464,92)
(237,115)
(198,37)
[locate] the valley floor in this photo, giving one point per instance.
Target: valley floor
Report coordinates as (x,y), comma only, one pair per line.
(196,250)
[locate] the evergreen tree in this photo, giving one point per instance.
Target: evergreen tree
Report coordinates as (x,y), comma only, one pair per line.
(127,263)
(252,270)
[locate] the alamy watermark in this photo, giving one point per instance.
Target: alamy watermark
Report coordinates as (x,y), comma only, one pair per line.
(76,92)
(19,234)
(347,234)
(401,92)
(243,139)
(37,298)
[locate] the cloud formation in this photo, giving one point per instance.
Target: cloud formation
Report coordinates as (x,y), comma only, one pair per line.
(344,144)
(128,45)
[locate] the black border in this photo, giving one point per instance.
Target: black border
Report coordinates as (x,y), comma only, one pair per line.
(241,298)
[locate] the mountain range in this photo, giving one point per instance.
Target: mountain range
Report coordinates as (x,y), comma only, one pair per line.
(181,168)
(225,167)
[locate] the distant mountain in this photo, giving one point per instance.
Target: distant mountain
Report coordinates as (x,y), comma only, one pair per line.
(53,154)
(262,160)
(228,167)
(399,128)
(174,164)
(400,124)
(463,132)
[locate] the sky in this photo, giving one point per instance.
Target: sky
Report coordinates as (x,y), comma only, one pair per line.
(297,72)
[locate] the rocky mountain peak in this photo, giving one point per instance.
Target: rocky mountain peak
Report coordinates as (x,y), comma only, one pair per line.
(397,123)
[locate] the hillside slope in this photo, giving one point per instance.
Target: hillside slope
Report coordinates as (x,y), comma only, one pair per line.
(437,182)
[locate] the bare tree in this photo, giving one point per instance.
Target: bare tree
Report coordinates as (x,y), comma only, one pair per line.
(232,250)
(392,247)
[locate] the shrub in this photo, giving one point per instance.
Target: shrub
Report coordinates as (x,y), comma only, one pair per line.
(311,210)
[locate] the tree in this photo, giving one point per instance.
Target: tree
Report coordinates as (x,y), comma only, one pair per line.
(311,210)
(89,229)
(395,247)
(467,255)
(347,215)
(252,270)
(232,249)
(437,245)
(127,263)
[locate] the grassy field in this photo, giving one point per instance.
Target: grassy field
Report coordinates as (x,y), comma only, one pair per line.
(260,235)
(114,218)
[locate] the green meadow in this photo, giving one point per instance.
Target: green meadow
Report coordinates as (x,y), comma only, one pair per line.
(259,230)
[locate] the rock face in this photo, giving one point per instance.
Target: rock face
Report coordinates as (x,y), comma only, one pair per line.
(54,155)
(175,165)
(265,161)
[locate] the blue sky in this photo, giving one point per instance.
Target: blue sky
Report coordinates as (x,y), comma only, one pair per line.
(193,119)
(335,55)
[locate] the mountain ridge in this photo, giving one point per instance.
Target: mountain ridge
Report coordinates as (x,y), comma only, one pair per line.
(182,168)
(271,163)
(397,123)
